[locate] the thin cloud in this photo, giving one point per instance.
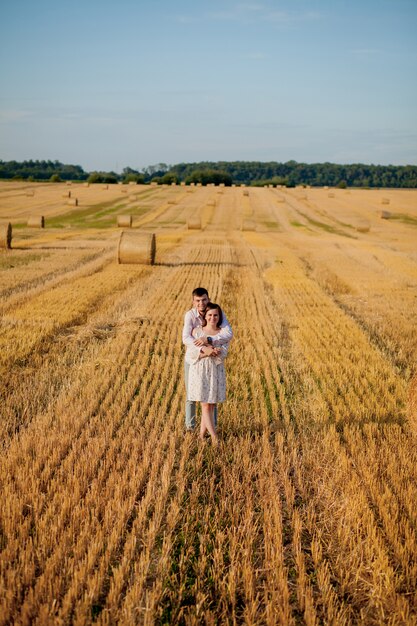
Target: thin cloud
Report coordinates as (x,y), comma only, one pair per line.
(13,115)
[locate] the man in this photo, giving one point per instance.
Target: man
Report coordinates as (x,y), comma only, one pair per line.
(192,319)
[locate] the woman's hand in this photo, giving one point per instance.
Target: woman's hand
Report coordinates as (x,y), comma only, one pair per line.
(208,351)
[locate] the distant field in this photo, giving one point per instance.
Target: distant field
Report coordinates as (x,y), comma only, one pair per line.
(307,512)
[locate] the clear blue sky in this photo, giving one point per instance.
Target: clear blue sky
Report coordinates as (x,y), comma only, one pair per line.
(132,83)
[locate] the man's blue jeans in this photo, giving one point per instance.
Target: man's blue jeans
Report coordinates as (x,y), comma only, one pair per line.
(190,405)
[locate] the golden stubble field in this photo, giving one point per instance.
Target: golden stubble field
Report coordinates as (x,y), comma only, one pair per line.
(307,513)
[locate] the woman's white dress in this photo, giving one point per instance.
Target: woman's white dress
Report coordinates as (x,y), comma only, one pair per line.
(207,376)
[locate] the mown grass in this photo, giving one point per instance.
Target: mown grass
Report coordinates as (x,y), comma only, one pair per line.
(404,218)
(18,260)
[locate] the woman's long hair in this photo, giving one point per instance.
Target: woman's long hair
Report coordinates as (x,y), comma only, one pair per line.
(210,306)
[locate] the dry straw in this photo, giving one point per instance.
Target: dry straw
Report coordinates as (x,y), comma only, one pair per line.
(6,235)
(412,403)
(172,202)
(248,225)
(30,194)
(68,182)
(330,195)
(280,199)
(211,203)
(194,223)
(246,192)
(73,202)
(86,184)
(105,187)
(385,201)
(182,183)
(124,221)
(66,194)
(136,247)
(363,226)
(36,221)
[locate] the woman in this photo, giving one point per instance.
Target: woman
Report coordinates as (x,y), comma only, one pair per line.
(207,378)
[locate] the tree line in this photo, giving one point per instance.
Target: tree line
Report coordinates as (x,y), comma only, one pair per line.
(254,173)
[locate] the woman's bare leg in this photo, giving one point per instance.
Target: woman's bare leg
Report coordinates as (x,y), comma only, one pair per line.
(207,422)
(203,427)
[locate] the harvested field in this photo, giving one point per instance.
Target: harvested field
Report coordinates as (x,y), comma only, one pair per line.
(305,514)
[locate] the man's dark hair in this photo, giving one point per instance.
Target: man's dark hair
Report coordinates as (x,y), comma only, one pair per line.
(210,306)
(200,291)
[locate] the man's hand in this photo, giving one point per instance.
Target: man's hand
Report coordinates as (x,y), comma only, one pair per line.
(201,342)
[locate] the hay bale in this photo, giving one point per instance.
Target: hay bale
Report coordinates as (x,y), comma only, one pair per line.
(173,184)
(220,191)
(30,194)
(105,187)
(154,184)
(194,223)
(330,195)
(190,190)
(182,183)
(132,182)
(36,221)
(211,203)
(325,187)
(385,215)
(6,235)
(248,225)
(246,192)
(303,196)
(221,185)
(124,221)
(136,247)
(363,226)
(199,184)
(280,199)
(68,182)
(172,202)
(124,190)
(385,201)
(73,202)
(86,184)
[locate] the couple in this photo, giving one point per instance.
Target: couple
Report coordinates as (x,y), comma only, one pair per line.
(206,335)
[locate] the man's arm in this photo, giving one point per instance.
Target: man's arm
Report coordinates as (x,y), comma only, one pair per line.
(187,331)
(225,333)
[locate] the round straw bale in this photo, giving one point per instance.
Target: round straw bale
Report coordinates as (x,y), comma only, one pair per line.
(73,202)
(86,185)
(189,190)
(5,235)
(124,221)
(136,247)
(221,185)
(246,192)
(154,184)
(68,182)
(385,201)
(173,184)
(248,225)
(385,215)
(105,187)
(211,203)
(194,223)
(36,221)
(325,187)
(330,195)
(199,184)
(182,183)
(172,202)
(220,191)
(192,184)
(30,194)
